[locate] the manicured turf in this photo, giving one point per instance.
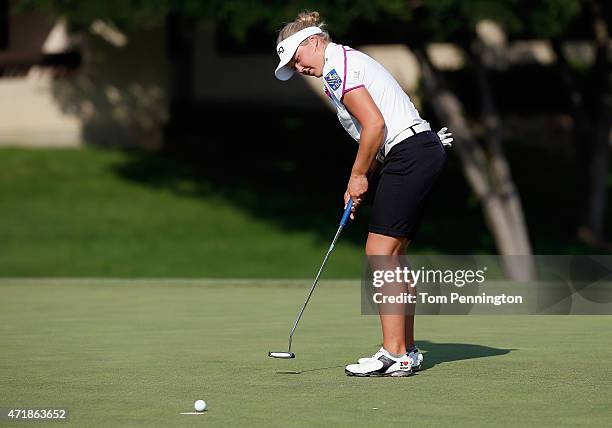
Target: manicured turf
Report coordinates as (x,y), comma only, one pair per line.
(139,352)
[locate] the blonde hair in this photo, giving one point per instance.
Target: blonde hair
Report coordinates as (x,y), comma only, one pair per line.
(304,20)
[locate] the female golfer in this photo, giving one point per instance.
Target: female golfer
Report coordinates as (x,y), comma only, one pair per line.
(394,143)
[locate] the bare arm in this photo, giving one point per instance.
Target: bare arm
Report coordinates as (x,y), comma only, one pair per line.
(361,105)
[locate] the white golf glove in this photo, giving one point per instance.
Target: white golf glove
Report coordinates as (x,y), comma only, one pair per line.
(446,137)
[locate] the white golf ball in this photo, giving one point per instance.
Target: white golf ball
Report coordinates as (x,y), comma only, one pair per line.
(200,405)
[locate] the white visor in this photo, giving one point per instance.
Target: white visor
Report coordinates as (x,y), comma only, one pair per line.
(286,49)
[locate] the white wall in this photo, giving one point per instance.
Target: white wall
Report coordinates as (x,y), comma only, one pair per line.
(118,97)
(30,116)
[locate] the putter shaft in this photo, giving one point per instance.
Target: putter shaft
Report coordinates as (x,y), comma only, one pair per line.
(343,222)
(314,284)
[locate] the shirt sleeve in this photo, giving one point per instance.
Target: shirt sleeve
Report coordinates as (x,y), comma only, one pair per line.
(355,72)
(345,73)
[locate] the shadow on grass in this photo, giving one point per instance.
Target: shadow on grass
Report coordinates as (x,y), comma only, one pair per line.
(291,170)
(290,167)
(310,370)
(438,353)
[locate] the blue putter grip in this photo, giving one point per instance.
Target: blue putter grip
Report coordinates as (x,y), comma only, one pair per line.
(347,212)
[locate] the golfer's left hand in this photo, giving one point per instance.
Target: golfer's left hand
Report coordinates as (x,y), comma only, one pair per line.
(356,189)
(446,138)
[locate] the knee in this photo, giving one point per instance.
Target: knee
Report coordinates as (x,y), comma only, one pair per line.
(371,249)
(388,247)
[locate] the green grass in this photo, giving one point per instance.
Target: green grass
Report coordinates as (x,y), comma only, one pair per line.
(108,213)
(116,214)
(139,352)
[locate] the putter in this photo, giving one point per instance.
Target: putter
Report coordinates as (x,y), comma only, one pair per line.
(343,222)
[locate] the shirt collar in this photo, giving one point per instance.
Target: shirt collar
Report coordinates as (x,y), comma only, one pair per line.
(329,50)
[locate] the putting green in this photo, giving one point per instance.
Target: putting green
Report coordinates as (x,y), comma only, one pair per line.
(140,352)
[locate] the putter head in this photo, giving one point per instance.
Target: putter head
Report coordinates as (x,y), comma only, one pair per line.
(285,355)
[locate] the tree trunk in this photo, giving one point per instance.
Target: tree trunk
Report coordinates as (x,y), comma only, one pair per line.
(477,169)
(180,39)
(598,159)
(499,167)
(592,116)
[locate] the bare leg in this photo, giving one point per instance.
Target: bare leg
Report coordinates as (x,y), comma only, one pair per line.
(409,319)
(409,328)
(393,325)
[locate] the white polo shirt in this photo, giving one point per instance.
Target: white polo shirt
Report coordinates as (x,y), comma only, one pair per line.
(347,69)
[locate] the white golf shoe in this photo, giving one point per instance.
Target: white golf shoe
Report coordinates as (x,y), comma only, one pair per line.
(385,365)
(414,354)
(378,353)
(417,359)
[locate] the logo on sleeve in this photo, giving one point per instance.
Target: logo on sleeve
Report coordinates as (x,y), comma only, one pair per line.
(333,80)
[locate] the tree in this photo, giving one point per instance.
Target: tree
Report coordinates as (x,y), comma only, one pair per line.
(589,94)
(485,165)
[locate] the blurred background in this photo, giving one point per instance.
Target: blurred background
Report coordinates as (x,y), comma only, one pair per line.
(151,139)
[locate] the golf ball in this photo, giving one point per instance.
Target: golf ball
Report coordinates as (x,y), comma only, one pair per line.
(200,405)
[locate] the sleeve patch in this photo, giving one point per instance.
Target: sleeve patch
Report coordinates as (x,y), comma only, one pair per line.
(333,80)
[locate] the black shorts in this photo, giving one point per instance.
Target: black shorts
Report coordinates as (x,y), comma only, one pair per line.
(405,181)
